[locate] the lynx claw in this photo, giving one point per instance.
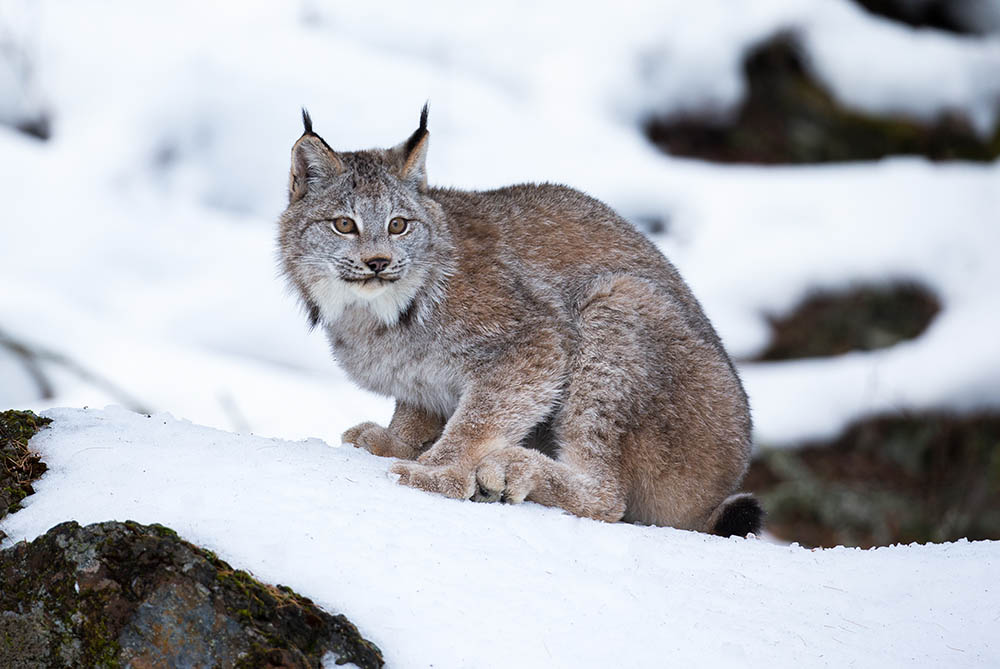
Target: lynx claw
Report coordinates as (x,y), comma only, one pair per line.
(483,494)
(442,480)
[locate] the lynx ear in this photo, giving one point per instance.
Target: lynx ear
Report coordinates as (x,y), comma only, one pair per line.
(411,155)
(312,160)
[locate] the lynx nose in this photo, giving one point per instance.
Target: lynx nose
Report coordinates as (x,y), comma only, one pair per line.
(377,264)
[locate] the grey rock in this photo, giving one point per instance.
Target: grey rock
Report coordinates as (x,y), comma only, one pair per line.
(129,595)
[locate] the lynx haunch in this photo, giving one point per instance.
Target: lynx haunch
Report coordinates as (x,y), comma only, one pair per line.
(538,347)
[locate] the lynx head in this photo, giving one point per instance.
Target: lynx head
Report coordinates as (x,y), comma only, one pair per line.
(359,229)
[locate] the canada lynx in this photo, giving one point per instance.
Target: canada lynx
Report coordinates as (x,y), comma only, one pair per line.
(538,347)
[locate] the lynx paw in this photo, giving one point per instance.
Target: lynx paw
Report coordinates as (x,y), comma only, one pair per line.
(437,457)
(351,436)
(378,440)
(445,481)
(505,476)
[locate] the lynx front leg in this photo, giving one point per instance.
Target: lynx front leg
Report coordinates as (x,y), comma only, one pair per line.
(406,437)
(497,412)
(517,474)
(449,467)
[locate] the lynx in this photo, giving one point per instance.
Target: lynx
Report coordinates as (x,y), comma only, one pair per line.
(538,347)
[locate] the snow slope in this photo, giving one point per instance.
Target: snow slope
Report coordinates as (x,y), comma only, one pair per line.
(437,582)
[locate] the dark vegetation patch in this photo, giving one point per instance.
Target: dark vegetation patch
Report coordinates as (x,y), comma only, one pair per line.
(19,466)
(123,594)
(788,116)
(862,318)
(957,16)
(888,479)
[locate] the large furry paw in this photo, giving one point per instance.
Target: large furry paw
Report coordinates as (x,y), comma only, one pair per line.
(507,475)
(437,457)
(351,436)
(447,481)
(379,441)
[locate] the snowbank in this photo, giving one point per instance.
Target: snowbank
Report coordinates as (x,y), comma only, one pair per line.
(437,582)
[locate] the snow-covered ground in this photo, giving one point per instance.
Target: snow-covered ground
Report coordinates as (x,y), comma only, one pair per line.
(443,583)
(137,256)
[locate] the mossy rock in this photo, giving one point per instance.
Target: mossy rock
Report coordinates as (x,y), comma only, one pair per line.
(788,116)
(932,476)
(19,466)
(123,594)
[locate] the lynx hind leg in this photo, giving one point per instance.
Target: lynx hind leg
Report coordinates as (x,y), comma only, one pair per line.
(633,441)
(614,374)
(662,399)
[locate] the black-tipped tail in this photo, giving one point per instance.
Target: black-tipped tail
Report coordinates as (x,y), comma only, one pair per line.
(739,516)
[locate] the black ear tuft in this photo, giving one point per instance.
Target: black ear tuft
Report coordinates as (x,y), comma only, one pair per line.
(419,133)
(307,122)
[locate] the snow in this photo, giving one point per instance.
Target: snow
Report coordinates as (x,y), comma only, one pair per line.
(438,582)
(137,257)
(20,98)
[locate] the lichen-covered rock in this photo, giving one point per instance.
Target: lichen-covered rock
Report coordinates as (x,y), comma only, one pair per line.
(129,595)
(18,465)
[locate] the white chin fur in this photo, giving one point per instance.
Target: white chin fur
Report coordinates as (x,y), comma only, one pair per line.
(385,300)
(369,291)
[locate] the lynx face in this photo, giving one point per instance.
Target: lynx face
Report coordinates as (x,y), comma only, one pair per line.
(356,231)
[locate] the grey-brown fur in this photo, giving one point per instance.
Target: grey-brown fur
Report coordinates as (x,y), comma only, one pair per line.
(538,346)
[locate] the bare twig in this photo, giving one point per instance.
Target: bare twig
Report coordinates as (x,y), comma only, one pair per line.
(32,355)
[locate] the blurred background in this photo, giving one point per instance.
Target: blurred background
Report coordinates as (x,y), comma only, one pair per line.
(823,172)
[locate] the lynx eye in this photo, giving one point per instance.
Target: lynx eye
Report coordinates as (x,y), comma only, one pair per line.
(398,225)
(343,225)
